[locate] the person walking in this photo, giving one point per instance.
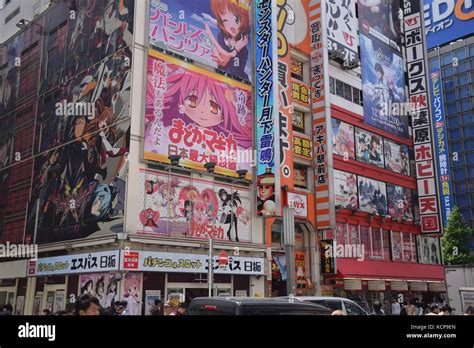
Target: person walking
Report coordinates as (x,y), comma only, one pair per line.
(396,309)
(377,308)
(410,308)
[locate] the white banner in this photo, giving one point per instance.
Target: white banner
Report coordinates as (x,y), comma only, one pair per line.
(153,261)
(399,286)
(79,263)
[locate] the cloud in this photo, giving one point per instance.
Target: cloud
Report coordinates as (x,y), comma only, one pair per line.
(205,19)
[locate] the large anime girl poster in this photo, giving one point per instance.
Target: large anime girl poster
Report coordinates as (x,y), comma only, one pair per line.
(201,116)
(176,206)
(213,32)
(101,285)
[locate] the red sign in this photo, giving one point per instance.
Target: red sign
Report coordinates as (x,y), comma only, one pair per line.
(130,260)
(223,258)
(31,267)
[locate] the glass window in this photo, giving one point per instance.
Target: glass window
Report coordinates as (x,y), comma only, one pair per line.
(463,79)
(340,228)
(471,50)
(460,53)
(455,147)
(339,88)
(365,240)
(453,121)
(462,66)
(332,88)
(352,234)
(446,58)
(355,95)
(467,118)
(386,245)
(449,83)
(347,92)
(454,134)
(459,173)
(470,157)
(465,214)
(461,201)
(464,92)
(396,246)
(465,104)
(460,187)
(468,131)
(451,108)
(470,173)
(434,63)
(472,199)
(459,161)
(352,309)
(376,234)
(450,96)
(469,144)
(448,71)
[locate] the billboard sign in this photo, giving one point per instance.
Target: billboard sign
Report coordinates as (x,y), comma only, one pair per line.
(441,146)
(216,33)
(345,190)
(372,196)
(383,87)
(197,114)
(447,20)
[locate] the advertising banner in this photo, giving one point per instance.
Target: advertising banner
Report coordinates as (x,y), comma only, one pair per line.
(196,114)
(328,257)
(345,190)
(300,92)
(396,157)
(214,32)
(372,196)
(343,139)
(322,146)
(132,285)
(383,87)
(369,147)
(152,261)
(447,20)
(342,30)
(296,29)
(429,250)
(381,20)
(81,263)
(150,297)
(268,150)
(180,207)
(299,202)
(425,161)
(101,285)
(400,202)
(441,146)
(302,146)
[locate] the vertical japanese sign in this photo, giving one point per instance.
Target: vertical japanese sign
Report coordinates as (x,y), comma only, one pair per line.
(324,182)
(268,154)
(285,99)
(421,120)
(441,146)
(342,30)
(328,259)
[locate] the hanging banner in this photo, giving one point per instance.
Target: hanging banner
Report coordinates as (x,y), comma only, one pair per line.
(268,151)
(328,257)
(342,30)
(441,146)
(285,100)
(199,115)
(421,120)
(323,181)
(216,33)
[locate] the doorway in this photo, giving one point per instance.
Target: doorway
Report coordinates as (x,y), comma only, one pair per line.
(7,295)
(54,298)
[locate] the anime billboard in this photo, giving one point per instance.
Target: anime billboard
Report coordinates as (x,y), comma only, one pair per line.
(372,196)
(428,250)
(345,190)
(381,19)
(343,139)
(79,179)
(383,87)
(181,207)
(101,285)
(400,202)
(213,32)
(201,116)
(396,157)
(369,147)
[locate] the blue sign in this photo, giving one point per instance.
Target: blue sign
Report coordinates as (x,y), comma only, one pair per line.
(441,146)
(447,20)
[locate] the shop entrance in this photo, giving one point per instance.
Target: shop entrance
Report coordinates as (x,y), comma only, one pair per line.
(188,291)
(7,295)
(54,298)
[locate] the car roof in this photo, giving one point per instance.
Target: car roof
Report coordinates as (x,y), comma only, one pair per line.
(256,301)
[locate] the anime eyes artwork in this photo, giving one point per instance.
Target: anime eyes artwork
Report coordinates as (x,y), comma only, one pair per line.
(180,208)
(216,33)
(78,186)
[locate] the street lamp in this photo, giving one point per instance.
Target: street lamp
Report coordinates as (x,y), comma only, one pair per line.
(174,159)
(23,24)
(210,167)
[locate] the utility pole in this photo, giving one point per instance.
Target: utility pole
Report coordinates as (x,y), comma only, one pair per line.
(210,275)
(289,242)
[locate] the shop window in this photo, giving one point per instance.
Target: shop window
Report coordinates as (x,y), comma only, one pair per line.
(365,241)
(376,239)
(408,246)
(340,231)
(386,245)
(396,243)
(353,235)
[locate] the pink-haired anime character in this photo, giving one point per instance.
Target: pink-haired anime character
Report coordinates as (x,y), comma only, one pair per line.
(206,102)
(168,192)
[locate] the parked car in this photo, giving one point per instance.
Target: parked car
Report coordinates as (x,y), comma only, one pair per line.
(253,306)
(334,303)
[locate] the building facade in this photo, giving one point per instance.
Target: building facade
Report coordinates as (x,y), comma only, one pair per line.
(132,132)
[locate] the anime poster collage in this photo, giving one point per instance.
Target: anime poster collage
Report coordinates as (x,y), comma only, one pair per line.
(83,122)
(180,207)
(383,79)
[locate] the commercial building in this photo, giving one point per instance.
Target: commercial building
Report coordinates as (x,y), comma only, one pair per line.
(129,140)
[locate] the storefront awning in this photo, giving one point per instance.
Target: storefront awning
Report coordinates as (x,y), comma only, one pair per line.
(351,268)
